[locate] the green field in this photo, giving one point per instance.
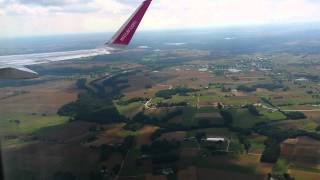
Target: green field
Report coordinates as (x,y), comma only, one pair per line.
(236,101)
(28,123)
(207,110)
(273,116)
(130,168)
(257,143)
(130,108)
(13,143)
(280,168)
(188,116)
(244,119)
(36,145)
(191,100)
(225,166)
(130,133)
(307,125)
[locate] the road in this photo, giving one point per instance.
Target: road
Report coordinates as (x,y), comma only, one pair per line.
(146,105)
(300,110)
(290,110)
(122,165)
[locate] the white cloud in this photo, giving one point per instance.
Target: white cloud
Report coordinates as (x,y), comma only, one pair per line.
(27,16)
(190,13)
(20,9)
(110,6)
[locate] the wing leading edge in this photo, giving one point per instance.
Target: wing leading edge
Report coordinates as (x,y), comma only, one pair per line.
(121,39)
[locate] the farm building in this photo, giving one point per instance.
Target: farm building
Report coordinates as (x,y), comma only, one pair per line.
(216,139)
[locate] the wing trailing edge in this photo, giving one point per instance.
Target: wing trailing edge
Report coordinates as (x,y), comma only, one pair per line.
(17,73)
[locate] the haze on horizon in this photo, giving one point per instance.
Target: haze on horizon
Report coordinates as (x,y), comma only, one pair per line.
(42,17)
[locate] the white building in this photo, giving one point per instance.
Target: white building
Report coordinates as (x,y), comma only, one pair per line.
(215,139)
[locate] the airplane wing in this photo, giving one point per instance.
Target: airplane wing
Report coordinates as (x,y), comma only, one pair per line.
(12,67)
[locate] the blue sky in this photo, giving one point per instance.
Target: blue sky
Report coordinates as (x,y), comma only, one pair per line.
(41,17)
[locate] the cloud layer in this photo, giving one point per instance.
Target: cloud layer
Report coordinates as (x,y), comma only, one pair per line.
(34,17)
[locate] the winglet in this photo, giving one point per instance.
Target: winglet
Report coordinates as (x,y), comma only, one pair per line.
(126,32)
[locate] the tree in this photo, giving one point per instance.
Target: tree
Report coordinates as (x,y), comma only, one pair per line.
(105,152)
(129,142)
(133,126)
(95,175)
(280,169)
(246,88)
(227,117)
(115,170)
(91,108)
(166,94)
(163,151)
(200,136)
(141,118)
(81,83)
(224,89)
(165,158)
(244,140)
(157,134)
(253,110)
(204,123)
(18,122)
(295,115)
(271,152)
(145,149)
(148,86)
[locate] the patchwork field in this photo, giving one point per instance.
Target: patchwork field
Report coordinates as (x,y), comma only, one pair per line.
(302,152)
(163,135)
(48,159)
(39,99)
(114,134)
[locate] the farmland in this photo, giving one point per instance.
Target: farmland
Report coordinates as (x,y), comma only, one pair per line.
(170,114)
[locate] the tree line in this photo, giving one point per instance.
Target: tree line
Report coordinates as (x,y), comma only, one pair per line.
(167,94)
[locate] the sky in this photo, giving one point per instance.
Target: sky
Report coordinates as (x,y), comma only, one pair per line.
(43,17)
